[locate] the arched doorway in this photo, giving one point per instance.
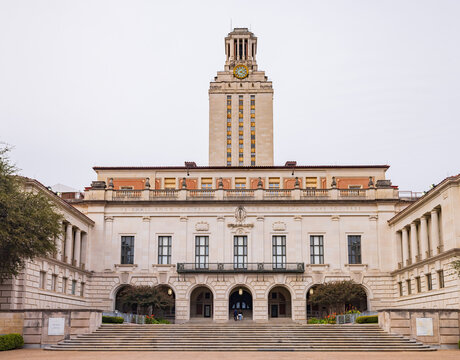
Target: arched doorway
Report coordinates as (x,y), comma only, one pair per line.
(240,300)
(279,303)
(201,303)
(169,311)
(120,305)
(320,310)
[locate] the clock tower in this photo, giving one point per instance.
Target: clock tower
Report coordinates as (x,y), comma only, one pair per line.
(241,107)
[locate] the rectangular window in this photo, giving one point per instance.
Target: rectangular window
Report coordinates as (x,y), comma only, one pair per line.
(64,285)
(316,249)
(206,183)
(240,183)
(240,252)
(418,282)
(354,249)
(400,286)
(409,287)
(279,251)
(429,282)
(164,249)
(170,183)
(355,187)
(441,278)
(53,282)
(42,280)
(310,183)
(74,287)
(126,187)
(201,252)
(273,183)
(127,250)
(82,289)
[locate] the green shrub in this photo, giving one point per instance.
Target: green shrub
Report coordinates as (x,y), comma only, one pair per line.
(330,320)
(150,319)
(370,319)
(112,320)
(11,341)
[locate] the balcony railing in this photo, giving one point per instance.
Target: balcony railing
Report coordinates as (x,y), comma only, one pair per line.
(410,195)
(240,194)
(218,268)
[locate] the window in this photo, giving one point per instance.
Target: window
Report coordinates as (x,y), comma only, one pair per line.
(164,249)
(409,287)
(400,288)
(64,285)
(441,278)
(418,282)
(82,289)
(170,183)
(42,280)
(74,287)
(316,249)
(240,252)
(206,183)
(273,183)
(127,250)
(53,282)
(355,187)
(279,251)
(310,183)
(429,282)
(354,249)
(126,187)
(240,183)
(201,252)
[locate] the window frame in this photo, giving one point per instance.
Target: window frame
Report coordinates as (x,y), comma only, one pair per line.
(164,255)
(441,282)
(354,258)
(127,250)
(279,251)
(199,256)
(320,247)
(240,251)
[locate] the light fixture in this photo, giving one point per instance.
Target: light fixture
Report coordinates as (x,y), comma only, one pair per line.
(311,291)
(240,291)
(169,291)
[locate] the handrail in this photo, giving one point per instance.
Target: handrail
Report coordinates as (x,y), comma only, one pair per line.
(260,267)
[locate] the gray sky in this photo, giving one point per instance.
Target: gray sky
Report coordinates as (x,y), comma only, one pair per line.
(86,83)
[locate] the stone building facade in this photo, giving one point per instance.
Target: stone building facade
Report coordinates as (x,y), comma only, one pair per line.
(245,234)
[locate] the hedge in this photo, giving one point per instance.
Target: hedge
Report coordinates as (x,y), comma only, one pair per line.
(371,319)
(11,341)
(112,320)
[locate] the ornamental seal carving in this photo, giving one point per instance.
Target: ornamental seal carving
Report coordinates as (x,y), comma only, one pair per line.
(279,226)
(202,226)
(240,214)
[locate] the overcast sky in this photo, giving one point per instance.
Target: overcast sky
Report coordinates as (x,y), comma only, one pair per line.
(86,83)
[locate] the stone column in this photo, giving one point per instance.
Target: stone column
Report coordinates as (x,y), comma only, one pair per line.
(424,238)
(77,247)
(68,244)
(405,247)
(399,251)
(413,242)
(435,231)
(84,251)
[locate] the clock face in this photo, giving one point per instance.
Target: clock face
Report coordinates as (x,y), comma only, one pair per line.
(240,71)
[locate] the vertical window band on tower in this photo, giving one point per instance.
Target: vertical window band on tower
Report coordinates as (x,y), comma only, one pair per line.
(253,130)
(229,130)
(240,131)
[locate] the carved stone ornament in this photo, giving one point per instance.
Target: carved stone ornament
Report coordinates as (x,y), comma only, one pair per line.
(279,226)
(202,226)
(240,214)
(147,183)
(111,183)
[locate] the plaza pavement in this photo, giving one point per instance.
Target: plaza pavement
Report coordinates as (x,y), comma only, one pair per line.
(37,354)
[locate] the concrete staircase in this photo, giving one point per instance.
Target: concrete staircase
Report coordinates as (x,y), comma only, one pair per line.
(240,337)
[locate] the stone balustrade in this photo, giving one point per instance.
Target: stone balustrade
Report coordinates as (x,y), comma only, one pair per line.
(240,194)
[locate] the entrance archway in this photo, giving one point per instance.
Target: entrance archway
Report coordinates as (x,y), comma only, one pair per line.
(319,310)
(122,306)
(201,303)
(169,312)
(240,300)
(279,303)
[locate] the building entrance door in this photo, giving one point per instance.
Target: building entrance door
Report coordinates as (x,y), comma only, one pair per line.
(274,311)
(207,311)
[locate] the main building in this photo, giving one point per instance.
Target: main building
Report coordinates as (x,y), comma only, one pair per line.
(243,233)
